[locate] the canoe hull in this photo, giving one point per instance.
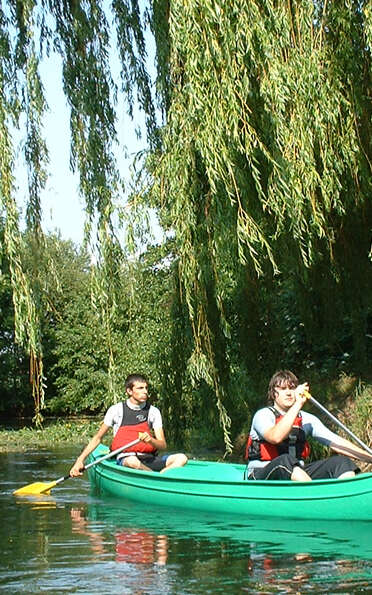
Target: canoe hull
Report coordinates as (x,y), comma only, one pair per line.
(219,487)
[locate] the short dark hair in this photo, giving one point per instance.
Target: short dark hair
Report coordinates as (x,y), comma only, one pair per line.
(132,378)
(282,378)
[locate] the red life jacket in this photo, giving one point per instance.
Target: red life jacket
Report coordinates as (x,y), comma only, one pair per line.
(133,422)
(295,444)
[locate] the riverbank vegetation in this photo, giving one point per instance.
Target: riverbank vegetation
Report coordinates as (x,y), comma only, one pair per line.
(54,433)
(258,170)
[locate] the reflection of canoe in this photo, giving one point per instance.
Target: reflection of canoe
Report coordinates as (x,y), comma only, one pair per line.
(276,536)
(219,487)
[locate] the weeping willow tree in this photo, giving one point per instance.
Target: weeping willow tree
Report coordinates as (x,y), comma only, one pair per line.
(262,159)
(23,97)
(266,153)
(80,33)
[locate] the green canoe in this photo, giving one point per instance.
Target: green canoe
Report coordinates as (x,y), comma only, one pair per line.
(220,487)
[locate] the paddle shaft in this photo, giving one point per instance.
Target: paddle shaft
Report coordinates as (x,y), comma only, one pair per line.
(341,425)
(112,453)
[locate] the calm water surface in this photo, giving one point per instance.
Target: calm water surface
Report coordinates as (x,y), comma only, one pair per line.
(75,541)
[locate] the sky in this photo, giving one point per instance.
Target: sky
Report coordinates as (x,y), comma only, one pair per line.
(62,207)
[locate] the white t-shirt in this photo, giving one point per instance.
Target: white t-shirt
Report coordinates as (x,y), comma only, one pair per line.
(114,416)
(264,419)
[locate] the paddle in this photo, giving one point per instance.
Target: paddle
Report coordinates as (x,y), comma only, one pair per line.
(44,488)
(337,422)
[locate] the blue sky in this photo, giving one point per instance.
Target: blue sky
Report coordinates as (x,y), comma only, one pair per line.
(63,208)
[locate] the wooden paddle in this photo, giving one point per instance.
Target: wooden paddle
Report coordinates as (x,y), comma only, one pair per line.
(33,489)
(338,423)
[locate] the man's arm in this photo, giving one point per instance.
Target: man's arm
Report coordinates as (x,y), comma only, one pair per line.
(276,434)
(281,430)
(340,445)
(78,466)
(345,447)
(157,441)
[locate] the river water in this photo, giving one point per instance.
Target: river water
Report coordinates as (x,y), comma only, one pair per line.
(75,541)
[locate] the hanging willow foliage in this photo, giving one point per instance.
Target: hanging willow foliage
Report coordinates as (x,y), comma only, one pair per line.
(266,99)
(267,146)
(83,38)
(80,33)
(22,93)
(265,151)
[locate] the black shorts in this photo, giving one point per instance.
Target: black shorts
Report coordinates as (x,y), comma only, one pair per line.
(154,462)
(282,467)
(331,468)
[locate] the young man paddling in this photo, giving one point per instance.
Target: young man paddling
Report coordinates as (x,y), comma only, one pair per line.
(277,446)
(129,419)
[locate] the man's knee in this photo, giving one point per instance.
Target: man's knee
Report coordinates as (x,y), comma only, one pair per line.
(132,462)
(299,474)
(283,466)
(288,461)
(177,460)
(181,459)
(341,465)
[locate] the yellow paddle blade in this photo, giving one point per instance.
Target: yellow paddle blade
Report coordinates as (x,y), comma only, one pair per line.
(35,488)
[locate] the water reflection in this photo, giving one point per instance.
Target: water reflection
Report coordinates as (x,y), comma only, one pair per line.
(296,574)
(76,541)
(276,536)
(271,569)
(288,559)
(135,545)
(38,502)
(131,546)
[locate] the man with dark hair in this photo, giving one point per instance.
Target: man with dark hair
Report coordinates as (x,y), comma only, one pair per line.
(277,447)
(131,419)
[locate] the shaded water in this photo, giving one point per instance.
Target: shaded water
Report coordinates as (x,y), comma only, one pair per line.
(75,541)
